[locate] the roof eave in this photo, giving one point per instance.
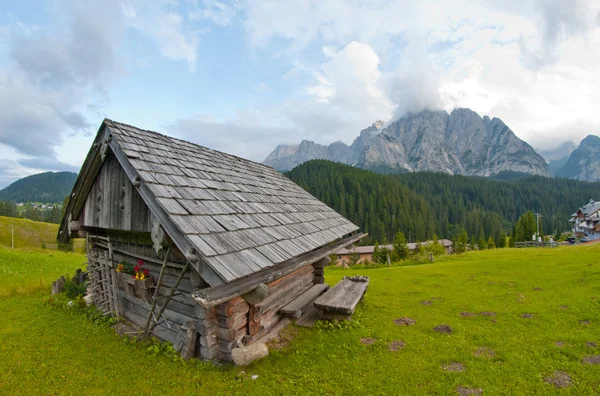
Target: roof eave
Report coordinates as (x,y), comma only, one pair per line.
(213,296)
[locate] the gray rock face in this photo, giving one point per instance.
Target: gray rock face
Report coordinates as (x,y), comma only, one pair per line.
(287,157)
(584,162)
(461,143)
(558,157)
(458,143)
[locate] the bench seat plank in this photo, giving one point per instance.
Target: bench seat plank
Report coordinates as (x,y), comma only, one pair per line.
(343,297)
(294,308)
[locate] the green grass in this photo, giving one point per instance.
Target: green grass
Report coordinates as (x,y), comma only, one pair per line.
(23,272)
(48,350)
(31,235)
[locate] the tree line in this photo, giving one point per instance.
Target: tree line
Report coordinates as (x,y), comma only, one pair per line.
(425,204)
(10,209)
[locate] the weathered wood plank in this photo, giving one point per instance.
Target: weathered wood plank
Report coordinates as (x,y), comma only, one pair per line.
(343,297)
(294,308)
(309,316)
(215,295)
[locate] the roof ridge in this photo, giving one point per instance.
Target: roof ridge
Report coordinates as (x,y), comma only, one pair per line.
(117,123)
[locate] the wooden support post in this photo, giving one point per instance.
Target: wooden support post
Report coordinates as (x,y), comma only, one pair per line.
(188,349)
(173,289)
(154,299)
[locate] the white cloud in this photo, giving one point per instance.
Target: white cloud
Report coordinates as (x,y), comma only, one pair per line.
(171,32)
(218,12)
(533,64)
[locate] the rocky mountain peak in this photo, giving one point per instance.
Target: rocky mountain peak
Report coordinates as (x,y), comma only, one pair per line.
(584,161)
(460,142)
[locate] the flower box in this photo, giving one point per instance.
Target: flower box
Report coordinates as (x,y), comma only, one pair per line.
(141,288)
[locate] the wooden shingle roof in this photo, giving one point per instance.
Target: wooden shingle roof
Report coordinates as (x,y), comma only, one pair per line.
(241,216)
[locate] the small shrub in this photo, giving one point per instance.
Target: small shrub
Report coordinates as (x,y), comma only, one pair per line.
(74,290)
(66,247)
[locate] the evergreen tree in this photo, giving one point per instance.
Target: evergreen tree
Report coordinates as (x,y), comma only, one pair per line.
(376,254)
(525,228)
(460,244)
(435,247)
(400,249)
(490,243)
(354,258)
(511,242)
(333,260)
(502,240)
(481,245)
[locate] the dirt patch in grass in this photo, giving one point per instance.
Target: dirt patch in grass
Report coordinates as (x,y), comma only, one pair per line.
(537,289)
(284,338)
(527,316)
(436,298)
(405,321)
(124,328)
(585,322)
(396,345)
(467,314)
(491,283)
(367,341)
(484,352)
(464,391)
(426,303)
(563,307)
(592,359)
(453,367)
(487,313)
(443,328)
(559,344)
(560,379)
(591,344)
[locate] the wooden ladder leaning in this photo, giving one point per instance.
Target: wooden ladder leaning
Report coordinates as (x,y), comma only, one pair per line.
(158,319)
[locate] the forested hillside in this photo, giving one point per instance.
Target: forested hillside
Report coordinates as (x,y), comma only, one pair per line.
(421,204)
(48,187)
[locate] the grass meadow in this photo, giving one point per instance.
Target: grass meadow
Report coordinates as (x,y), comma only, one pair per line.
(518,316)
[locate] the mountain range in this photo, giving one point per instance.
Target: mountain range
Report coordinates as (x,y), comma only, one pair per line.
(47,187)
(460,142)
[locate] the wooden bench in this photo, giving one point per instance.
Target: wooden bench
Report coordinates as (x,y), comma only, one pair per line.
(341,300)
(296,307)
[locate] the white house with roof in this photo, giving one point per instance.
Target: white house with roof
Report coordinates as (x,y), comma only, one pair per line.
(586,221)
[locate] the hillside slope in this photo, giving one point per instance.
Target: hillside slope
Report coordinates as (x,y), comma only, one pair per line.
(423,203)
(48,187)
(28,233)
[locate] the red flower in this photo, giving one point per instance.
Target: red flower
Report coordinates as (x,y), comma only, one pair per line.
(140,262)
(136,268)
(133,277)
(146,272)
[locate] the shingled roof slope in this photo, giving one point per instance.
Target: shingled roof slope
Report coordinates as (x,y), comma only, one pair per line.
(241,216)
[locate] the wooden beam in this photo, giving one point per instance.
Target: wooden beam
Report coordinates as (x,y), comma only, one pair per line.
(83,184)
(213,296)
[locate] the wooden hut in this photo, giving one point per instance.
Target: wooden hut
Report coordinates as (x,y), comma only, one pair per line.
(225,242)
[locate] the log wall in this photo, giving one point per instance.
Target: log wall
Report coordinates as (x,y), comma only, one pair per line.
(218,330)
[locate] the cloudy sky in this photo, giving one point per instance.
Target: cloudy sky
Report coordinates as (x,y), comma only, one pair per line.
(245,75)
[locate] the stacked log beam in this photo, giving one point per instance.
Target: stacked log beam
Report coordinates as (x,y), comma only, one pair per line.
(207,347)
(232,326)
(319,270)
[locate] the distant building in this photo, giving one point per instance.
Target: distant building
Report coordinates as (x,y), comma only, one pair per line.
(365,253)
(586,221)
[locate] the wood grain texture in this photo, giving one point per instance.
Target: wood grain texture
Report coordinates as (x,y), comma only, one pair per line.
(343,297)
